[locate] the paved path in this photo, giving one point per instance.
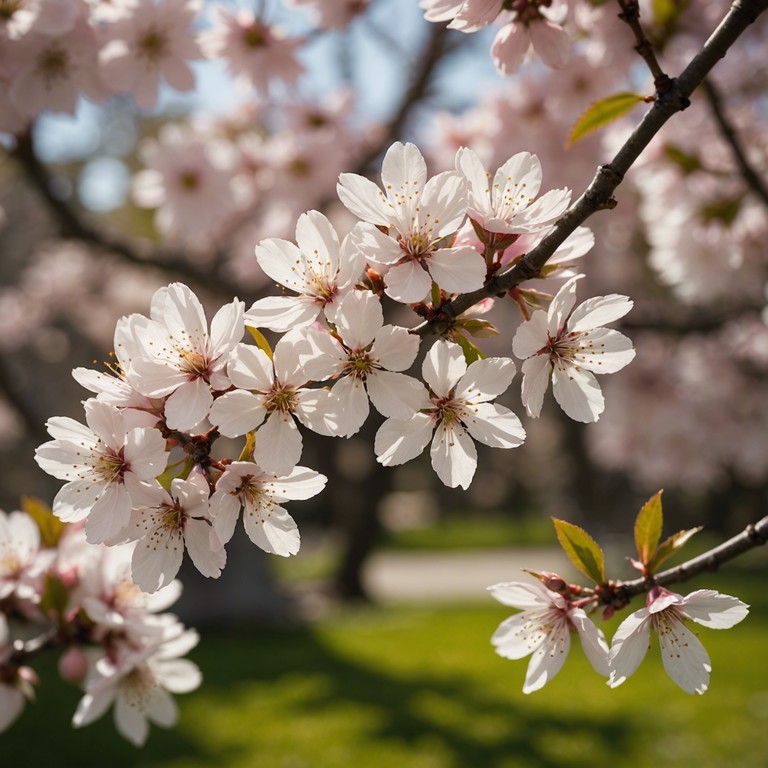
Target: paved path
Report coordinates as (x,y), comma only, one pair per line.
(400,576)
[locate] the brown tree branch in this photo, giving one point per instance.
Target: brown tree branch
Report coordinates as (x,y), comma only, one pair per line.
(599,194)
(751,177)
(630,13)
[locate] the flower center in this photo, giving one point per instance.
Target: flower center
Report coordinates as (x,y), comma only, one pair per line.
(8,8)
(53,65)
(154,45)
(111,465)
(359,365)
(282,398)
(137,686)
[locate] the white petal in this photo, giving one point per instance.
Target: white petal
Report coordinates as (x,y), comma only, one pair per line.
(485,379)
(629,646)
(494,425)
(395,348)
(443,205)
(188,405)
(592,641)
(443,366)
(227,327)
(281,313)
(542,212)
(130,722)
(604,351)
(321,411)
(398,441)
(207,558)
(551,43)
(237,412)
(577,392)
(179,675)
(91,707)
(531,335)
(364,199)
(457,270)
(374,245)
(685,659)
(536,371)
(469,164)
(712,609)
(278,259)
(278,444)
(156,560)
(561,306)
(454,457)
(318,242)
(353,400)
(548,659)
(598,311)
(408,282)
(396,395)
(272,529)
(302,483)
(519,594)
(250,368)
(359,318)
(521,634)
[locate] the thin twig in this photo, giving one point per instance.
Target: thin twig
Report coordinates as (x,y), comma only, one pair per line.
(599,194)
(630,13)
(753,179)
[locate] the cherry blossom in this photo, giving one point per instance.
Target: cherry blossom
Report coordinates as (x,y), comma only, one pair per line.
(365,356)
(105,463)
(420,213)
(331,14)
(530,30)
(164,523)
(22,564)
(173,353)
(458,410)
(685,659)
(542,630)
(508,204)
(318,268)
(12,698)
(138,682)
(570,345)
(244,484)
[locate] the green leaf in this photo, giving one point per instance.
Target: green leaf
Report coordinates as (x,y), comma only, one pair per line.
(669,546)
(55,595)
(602,112)
(435,294)
(666,12)
(687,163)
(479,329)
(50,526)
(583,551)
(471,352)
(261,341)
(648,529)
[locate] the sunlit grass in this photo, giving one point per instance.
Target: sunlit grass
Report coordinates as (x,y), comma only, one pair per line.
(413,686)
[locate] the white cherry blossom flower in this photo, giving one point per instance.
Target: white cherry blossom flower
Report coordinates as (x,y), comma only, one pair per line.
(366,357)
(508,204)
(164,523)
(685,659)
(105,462)
(245,484)
(458,410)
(318,268)
(138,682)
(270,394)
(421,214)
(174,355)
(571,346)
(22,564)
(12,698)
(542,630)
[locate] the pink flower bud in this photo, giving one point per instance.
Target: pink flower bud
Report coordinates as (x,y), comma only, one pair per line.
(73,665)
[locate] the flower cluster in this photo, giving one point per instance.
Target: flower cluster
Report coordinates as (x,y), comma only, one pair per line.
(63,591)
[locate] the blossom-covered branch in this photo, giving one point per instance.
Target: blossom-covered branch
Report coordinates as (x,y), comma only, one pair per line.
(599,194)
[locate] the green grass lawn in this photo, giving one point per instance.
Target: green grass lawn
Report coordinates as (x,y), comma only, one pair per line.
(417,687)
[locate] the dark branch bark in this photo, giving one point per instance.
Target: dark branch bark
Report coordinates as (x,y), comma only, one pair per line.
(630,14)
(751,177)
(599,194)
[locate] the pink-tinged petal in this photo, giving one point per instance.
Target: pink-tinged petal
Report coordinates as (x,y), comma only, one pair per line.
(485,379)
(519,594)
(364,199)
(272,529)
(351,263)
(156,559)
(11,705)
(551,43)
(64,428)
(180,312)
(278,259)
(542,212)
(325,357)
(318,242)
(225,508)
(475,14)
(509,47)
(407,283)
(398,441)
(561,306)
(516,183)
(592,641)
(359,318)
(207,558)
(536,373)
(145,453)
(577,393)
(443,366)
(396,395)
(179,676)
(521,634)
(457,270)
(250,368)
(58,459)
(548,659)
(278,444)
(178,74)
(161,708)
(75,500)
(574,247)
(320,411)
(131,722)
(395,348)
(443,205)
(629,646)
(188,405)
(227,327)
(281,313)
(685,659)
(493,425)
(107,422)
(302,483)
(601,310)
(712,609)
(531,336)
(287,358)
(454,457)
(109,515)
(237,412)
(403,172)
(90,708)
(374,246)
(479,202)
(353,399)
(604,351)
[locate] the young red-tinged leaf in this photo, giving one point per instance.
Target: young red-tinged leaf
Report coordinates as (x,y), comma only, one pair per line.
(603,112)
(471,352)
(50,526)
(260,340)
(583,551)
(648,528)
(479,329)
(669,546)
